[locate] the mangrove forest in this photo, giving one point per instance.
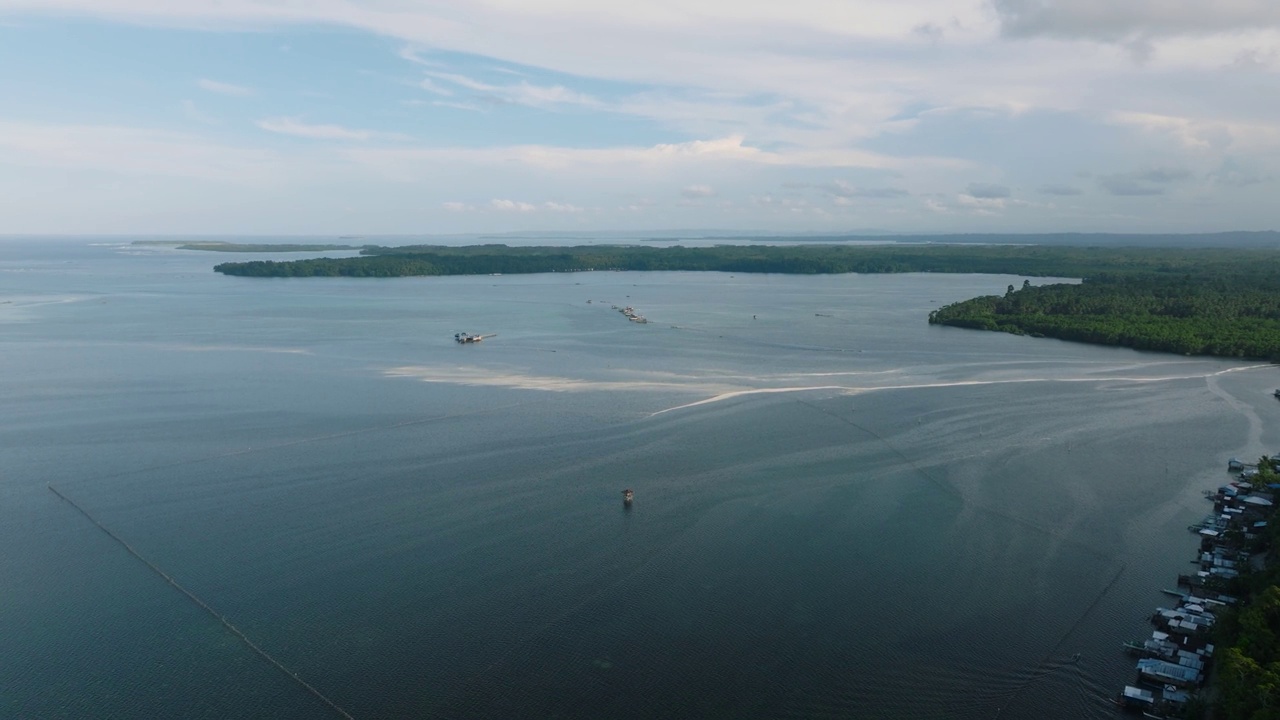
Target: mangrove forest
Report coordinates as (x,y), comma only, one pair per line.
(1194,301)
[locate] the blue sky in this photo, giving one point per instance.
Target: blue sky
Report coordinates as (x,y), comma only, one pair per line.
(425,116)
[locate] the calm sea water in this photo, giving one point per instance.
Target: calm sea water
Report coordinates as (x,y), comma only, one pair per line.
(840,511)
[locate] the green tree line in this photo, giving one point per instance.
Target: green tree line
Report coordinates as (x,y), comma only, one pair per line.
(1031,261)
(1233,315)
(1196,301)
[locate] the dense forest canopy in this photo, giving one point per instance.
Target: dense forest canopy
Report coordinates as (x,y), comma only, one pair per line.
(1199,301)
(1028,260)
(1223,314)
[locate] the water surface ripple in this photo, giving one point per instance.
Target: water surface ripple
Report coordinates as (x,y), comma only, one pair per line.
(840,511)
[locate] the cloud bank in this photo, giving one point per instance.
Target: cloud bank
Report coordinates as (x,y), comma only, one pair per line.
(967,115)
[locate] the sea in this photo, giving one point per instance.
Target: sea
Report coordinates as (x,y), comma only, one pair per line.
(300,498)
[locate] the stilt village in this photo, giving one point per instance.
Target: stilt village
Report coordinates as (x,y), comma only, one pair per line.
(1175,661)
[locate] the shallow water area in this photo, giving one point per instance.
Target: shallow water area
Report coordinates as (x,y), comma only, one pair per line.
(840,510)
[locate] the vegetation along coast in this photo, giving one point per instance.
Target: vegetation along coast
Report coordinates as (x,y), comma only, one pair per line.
(1222,302)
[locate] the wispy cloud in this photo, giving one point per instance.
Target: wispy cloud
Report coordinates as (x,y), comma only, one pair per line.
(433,87)
(1152,181)
(714,157)
(987,191)
(298,128)
(845,192)
(513,206)
(469,107)
(193,112)
(224,88)
(521,93)
(136,151)
(414,55)
(908,102)
(697,192)
(1058,189)
(1107,20)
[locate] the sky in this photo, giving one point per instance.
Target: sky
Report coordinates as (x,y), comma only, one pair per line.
(354,117)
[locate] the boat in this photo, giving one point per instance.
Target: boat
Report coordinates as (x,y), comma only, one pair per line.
(468,338)
(628,496)
(1277,392)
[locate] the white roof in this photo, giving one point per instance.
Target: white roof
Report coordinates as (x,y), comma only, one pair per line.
(1138,693)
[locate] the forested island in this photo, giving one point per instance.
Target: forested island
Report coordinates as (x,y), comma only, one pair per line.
(1228,315)
(1196,301)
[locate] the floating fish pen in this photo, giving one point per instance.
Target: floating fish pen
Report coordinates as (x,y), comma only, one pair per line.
(632,315)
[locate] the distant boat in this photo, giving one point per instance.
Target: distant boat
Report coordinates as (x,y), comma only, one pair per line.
(628,496)
(1277,392)
(468,338)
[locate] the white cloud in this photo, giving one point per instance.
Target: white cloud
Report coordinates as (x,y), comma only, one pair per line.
(695,192)
(561,207)
(1205,135)
(613,165)
(846,193)
(223,88)
(981,205)
(512,206)
(1111,20)
(752,94)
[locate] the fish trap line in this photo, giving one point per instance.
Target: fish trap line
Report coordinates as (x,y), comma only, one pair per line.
(205,606)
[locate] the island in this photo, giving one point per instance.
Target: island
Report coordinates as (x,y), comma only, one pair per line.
(1194,301)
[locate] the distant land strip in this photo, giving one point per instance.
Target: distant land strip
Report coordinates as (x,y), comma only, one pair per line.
(1194,301)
